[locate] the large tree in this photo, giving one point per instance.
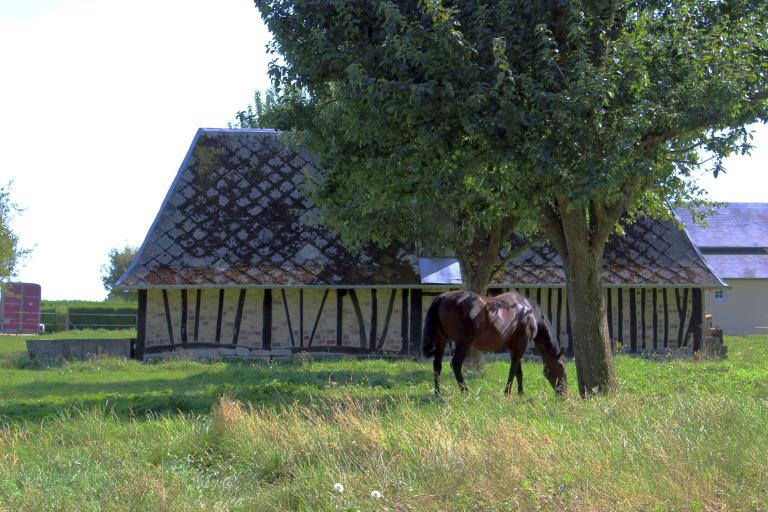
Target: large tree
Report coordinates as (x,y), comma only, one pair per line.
(589,109)
(450,200)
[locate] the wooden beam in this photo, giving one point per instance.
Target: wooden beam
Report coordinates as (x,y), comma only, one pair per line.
(359,316)
(141,326)
(339,317)
(571,347)
(632,320)
(416,320)
(696,326)
(168,316)
(197,313)
(682,313)
(385,329)
(301,317)
(655,318)
(620,318)
(559,311)
(266,320)
(220,315)
(238,316)
(642,318)
(374,319)
(184,317)
(404,338)
(609,314)
(287,316)
(549,305)
(317,318)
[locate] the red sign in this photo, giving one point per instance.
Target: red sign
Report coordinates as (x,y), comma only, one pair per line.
(19,308)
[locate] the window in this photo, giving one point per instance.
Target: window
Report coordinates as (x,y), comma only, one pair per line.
(720,297)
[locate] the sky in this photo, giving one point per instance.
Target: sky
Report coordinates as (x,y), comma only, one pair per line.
(99,101)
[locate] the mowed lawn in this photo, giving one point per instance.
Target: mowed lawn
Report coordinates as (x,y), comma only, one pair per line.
(118,435)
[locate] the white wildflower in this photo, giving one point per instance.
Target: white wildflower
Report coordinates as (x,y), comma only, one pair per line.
(338,487)
(375,495)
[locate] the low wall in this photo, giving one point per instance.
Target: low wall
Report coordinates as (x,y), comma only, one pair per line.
(78,348)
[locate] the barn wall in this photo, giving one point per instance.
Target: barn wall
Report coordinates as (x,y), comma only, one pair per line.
(352,320)
(379,320)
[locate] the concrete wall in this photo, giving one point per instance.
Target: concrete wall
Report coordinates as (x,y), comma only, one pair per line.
(743,309)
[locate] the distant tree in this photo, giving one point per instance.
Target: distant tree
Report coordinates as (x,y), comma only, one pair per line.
(591,110)
(10,251)
(119,261)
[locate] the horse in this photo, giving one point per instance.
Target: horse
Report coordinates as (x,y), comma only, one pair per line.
(507,321)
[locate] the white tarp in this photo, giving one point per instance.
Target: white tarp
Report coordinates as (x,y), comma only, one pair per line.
(439,271)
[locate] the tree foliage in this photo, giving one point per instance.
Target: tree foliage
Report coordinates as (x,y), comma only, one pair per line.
(119,261)
(11,252)
(582,111)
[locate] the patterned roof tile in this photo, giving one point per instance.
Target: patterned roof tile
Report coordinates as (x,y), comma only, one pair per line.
(235,216)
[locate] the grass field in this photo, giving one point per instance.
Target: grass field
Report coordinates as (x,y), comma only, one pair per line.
(119,435)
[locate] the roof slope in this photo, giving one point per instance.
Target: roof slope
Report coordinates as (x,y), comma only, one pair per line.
(651,253)
(739,266)
(235,216)
(733,225)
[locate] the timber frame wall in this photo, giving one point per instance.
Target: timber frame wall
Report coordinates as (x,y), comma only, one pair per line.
(383,320)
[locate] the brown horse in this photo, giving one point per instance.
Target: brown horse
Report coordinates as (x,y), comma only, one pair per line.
(508,321)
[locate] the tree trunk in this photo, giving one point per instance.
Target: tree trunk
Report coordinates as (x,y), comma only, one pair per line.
(579,237)
(478,258)
(594,364)
(476,273)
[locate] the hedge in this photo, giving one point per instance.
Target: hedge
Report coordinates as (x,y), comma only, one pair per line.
(64,315)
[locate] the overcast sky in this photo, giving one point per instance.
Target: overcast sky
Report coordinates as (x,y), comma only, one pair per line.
(99,101)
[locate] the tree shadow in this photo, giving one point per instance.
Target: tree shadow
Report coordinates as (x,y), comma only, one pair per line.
(262,386)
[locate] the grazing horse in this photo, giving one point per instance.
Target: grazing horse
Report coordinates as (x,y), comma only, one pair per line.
(508,321)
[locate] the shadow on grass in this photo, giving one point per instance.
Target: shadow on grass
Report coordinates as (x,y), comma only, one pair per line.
(193,392)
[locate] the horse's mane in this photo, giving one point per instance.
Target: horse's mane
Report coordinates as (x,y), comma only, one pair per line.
(550,340)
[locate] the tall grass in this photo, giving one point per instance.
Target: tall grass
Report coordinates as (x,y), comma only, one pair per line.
(679,436)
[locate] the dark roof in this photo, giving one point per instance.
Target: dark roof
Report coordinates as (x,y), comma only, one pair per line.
(235,216)
(652,252)
(732,225)
(739,266)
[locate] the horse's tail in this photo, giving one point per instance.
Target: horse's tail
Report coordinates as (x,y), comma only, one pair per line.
(431,325)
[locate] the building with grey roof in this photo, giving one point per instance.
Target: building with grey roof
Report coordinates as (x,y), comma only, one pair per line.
(734,241)
(234,263)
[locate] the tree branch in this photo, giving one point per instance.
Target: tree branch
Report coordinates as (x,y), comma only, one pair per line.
(652,140)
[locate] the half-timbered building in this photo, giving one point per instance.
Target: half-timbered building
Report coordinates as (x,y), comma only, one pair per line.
(235,264)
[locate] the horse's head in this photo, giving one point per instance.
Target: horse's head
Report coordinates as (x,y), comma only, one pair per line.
(553,357)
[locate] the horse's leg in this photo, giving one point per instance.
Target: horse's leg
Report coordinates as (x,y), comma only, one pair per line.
(458,359)
(437,364)
(514,369)
(520,377)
